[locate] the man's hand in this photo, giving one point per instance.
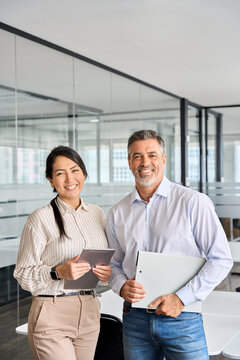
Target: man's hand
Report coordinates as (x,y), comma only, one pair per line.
(132,291)
(102,272)
(72,270)
(169,305)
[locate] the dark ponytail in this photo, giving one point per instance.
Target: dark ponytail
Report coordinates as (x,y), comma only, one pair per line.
(75,157)
(58,218)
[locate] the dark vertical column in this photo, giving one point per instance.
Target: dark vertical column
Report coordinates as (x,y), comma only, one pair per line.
(184,142)
(219,157)
(206,144)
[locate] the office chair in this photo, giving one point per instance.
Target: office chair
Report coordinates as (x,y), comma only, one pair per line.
(110,345)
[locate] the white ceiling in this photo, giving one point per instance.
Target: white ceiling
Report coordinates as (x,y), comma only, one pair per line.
(188,47)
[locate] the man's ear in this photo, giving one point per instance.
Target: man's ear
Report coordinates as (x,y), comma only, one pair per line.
(129,163)
(164,159)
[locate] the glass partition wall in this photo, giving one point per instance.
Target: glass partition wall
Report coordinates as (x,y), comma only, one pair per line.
(231,143)
(51,97)
(48,98)
(223,165)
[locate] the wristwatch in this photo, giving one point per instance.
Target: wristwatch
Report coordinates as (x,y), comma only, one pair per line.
(54,274)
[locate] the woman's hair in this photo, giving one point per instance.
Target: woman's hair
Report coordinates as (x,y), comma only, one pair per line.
(75,157)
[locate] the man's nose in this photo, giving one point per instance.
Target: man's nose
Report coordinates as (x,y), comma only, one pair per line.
(145,160)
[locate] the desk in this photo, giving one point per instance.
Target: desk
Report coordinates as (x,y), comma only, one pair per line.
(220,330)
(222,303)
(22,329)
(232,350)
(221,320)
(111,304)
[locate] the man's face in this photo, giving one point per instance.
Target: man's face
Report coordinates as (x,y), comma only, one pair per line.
(147,162)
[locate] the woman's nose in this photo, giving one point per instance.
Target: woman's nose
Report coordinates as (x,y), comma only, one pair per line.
(69,176)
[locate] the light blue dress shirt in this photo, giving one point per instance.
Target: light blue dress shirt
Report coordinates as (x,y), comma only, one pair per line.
(176,220)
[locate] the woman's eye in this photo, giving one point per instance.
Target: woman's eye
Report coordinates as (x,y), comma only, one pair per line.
(75,170)
(59,174)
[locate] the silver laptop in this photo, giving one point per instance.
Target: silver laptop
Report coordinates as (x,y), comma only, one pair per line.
(162,274)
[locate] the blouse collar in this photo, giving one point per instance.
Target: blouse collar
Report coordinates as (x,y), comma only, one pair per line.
(66,208)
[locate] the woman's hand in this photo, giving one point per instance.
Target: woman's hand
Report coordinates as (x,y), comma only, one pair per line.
(102,272)
(72,270)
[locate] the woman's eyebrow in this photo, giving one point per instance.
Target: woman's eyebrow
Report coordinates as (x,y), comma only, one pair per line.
(65,169)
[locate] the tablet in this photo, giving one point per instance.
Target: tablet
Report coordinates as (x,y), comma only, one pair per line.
(93,257)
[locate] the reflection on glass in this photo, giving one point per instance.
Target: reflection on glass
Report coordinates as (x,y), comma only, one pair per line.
(211,148)
(231,143)
(65,101)
(92,99)
(8,190)
(193,148)
(104,163)
(121,172)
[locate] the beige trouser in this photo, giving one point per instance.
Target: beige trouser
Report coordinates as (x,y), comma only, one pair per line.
(64,328)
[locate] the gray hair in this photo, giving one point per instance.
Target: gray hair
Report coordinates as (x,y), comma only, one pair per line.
(144,135)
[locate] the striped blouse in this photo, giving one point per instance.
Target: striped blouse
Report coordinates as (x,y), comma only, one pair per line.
(41,247)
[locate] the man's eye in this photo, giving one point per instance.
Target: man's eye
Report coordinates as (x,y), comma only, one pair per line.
(60,173)
(75,170)
(137,157)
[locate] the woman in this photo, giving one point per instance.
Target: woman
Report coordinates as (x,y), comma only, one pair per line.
(62,324)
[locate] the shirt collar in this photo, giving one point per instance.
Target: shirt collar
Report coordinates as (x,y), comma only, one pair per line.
(162,190)
(64,207)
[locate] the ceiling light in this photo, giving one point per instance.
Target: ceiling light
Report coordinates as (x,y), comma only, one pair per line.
(94,120)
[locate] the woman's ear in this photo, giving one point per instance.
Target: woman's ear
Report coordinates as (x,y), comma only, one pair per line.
(51,182)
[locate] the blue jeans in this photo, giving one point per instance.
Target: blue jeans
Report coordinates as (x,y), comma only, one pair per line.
(147,336)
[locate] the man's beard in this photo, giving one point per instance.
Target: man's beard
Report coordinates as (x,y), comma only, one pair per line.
(145,182)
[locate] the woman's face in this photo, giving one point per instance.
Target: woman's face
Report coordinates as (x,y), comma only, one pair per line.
(68,179)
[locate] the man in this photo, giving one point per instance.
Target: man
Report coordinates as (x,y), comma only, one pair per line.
(160,216)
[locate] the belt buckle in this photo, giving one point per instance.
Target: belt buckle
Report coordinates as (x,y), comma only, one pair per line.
(126,308)
(150,311)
